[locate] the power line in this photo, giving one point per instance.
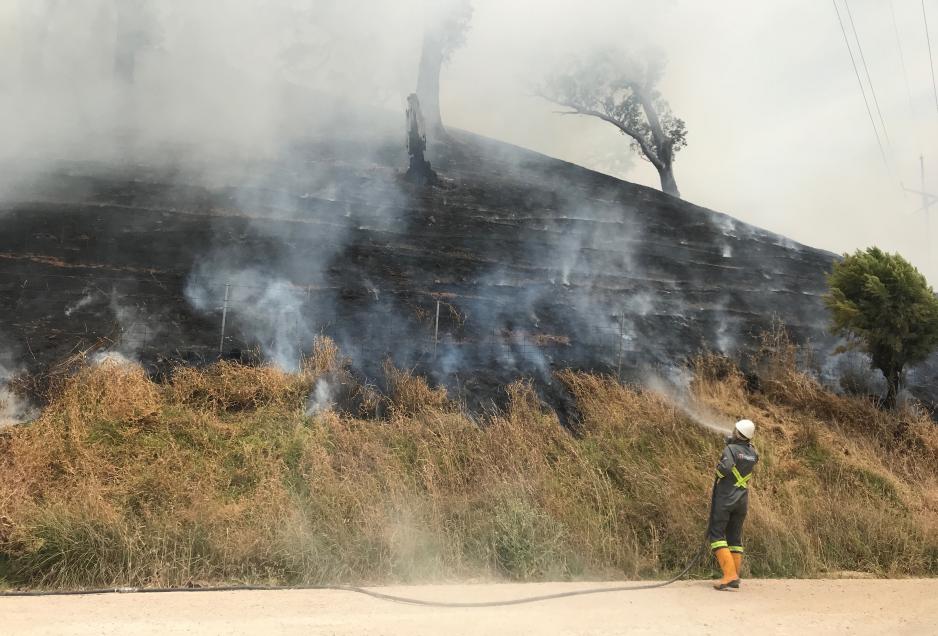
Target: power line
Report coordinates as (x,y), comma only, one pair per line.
(866,70)
(931,59)
(860,82)
(905,73)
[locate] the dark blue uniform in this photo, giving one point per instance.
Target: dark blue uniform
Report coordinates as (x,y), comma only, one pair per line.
(730,500)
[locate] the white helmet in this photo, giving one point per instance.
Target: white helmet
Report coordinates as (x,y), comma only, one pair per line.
(746,428)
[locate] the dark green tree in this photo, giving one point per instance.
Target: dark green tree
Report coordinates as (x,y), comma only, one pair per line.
(884,306)
(621,90)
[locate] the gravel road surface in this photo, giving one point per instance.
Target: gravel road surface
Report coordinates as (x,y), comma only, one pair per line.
(798,607)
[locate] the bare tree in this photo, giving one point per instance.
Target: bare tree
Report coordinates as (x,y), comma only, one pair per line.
(621,90)
(445,32)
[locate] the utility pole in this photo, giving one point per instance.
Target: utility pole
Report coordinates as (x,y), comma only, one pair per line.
(928,200)
(926,204)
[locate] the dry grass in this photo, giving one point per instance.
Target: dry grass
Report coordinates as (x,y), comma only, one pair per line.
(411,395)
(229,386)
(220,475)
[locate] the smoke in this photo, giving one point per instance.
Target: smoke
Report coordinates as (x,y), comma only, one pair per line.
(111,357)
(322,397)
(286,118)
(264,308)
(13,408)
(592,261)
(133,326)
(81,303)
(106,79)
(729,229)
(209,74)
(304,220)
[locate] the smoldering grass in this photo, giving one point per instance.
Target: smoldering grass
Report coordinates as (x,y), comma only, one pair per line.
(14,407)
(221,475)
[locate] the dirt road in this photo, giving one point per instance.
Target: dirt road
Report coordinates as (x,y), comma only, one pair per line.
(769,607)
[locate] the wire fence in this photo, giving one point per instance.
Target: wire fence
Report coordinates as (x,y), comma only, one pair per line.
(210,320)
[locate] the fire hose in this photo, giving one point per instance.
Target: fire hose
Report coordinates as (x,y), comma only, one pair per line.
(360,590)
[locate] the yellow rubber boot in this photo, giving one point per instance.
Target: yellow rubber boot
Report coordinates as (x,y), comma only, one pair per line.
(738,563)
(725,559)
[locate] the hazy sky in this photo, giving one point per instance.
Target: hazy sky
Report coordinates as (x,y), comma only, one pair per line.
(779,134)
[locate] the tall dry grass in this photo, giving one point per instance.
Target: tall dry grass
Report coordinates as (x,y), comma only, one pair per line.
(221,475)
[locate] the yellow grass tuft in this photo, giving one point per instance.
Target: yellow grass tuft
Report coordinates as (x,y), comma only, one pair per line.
(113,390)
(229,386)
(409,394)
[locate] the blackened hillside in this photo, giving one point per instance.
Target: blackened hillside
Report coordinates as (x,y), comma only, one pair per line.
(536,264)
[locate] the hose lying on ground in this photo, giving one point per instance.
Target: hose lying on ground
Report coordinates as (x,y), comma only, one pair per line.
(360,590)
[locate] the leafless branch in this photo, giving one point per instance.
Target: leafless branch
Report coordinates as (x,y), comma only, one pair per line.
(646,149)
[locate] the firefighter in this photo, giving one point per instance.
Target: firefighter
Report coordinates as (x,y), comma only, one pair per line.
(730,502)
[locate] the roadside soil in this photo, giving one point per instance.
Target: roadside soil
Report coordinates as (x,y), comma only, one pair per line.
(691,607)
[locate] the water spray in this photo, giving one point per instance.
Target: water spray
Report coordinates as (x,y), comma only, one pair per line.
(678,394)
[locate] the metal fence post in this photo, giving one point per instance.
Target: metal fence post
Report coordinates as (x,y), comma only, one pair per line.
(436,329)
(298,337)
(224,318)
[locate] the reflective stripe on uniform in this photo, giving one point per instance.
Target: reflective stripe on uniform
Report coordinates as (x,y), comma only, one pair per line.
(719,474)
(719,544)
(736,548)
(741,482)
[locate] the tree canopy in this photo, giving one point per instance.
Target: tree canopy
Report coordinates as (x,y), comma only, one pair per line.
(882,304)
(449,25)
(621,89)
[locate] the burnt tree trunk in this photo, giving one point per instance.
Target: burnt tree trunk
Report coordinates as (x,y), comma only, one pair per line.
(428,82)
(420,171)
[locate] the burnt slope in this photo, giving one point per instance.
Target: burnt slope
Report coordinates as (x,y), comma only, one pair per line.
(537,263)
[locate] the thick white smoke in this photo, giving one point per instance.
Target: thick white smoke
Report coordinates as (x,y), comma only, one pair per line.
(13,409)
(223,93)
(265,307)
(101,78)
(322,398)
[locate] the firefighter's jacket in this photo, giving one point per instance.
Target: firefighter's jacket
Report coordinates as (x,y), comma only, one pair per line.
(733,474)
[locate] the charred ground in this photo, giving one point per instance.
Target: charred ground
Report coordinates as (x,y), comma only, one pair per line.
(538,264)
